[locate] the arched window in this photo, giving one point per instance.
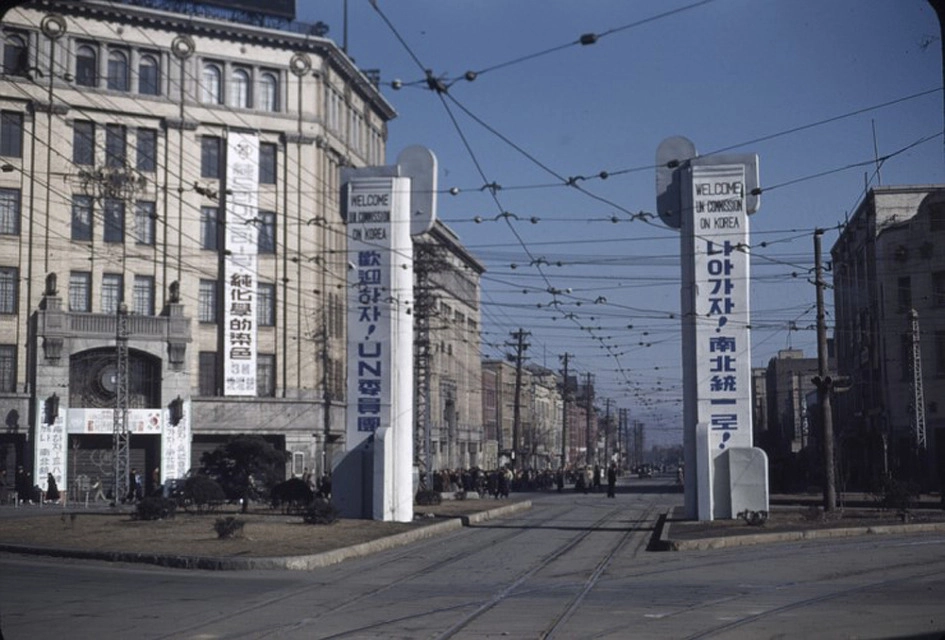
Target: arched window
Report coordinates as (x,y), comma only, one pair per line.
(149,76)
(118,71)
(15,55)
(210,84)
(268,92)
(86,66)
(239,89)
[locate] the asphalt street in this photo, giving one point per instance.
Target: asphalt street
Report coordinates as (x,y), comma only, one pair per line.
(572,566)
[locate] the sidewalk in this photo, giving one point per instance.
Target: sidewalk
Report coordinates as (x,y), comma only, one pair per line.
(796,518)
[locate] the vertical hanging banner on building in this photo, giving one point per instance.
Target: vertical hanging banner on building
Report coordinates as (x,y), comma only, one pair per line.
(49,450)
(175,446)
(239,287)
(723,353)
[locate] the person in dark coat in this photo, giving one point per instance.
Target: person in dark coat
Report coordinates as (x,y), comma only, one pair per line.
(52,489)
(612,480)
(22,482)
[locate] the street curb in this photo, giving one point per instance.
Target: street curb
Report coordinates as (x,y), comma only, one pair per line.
(295,563)
(667,543)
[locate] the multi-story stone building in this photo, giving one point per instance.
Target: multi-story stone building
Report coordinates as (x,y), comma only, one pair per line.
(448,282)
(541,410)
(888,270)
(170,192)
(788,379)
(541,437)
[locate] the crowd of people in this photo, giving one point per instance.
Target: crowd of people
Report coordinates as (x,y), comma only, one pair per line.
(499,483)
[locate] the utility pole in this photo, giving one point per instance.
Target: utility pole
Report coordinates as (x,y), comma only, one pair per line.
(608,436)
(520,347)
(824,382)
(564,415)
(326,395)
(589,407)
(622,437)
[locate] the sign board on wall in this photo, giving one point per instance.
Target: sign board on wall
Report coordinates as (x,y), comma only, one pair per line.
(240,284)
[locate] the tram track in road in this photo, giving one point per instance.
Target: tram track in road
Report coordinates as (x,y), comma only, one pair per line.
(519,585)
(503,535)
(502,595)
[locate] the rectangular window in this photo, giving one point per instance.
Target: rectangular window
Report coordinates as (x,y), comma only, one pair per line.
(83,142)
(937,217)
(209,229)
(82,218)
(143,296)
(335,104)
(207,375)
(9,289)
(266,305)
(80,291)
(149,74)
(10,212)
(265,375)
(115,145)
(146,158)
(940,354)
(86,65)
(114,213)
(117,70)
(904,293)
(210,147)
(145,216)
(11,134)
(207,301)
(266,236)
(7,368)
(267,163)
(938,288)
(112,294)
(16,59)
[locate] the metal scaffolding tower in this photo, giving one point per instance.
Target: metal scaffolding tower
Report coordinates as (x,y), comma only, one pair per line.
(428,259)
(918,394)
(121,438)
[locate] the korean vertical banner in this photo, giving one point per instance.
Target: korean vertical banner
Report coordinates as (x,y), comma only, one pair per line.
(239,286)
(723,351)
(50,448)
(369,204)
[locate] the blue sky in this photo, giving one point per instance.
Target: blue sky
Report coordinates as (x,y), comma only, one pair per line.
(799,82)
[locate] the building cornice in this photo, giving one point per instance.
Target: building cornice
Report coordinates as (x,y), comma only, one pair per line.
(203,26)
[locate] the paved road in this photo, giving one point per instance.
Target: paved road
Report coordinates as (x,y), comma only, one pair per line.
(574,566)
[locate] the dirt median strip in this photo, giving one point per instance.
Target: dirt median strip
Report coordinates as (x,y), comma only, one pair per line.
(274,543)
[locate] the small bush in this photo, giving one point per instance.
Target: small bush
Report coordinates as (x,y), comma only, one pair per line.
(898,494)
(428,498)
(155,508)
(203,493)
(293,495)
(321,511)
(228,527)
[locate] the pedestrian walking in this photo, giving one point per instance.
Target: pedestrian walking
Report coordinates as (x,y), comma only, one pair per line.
(612,480)
(52,489)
